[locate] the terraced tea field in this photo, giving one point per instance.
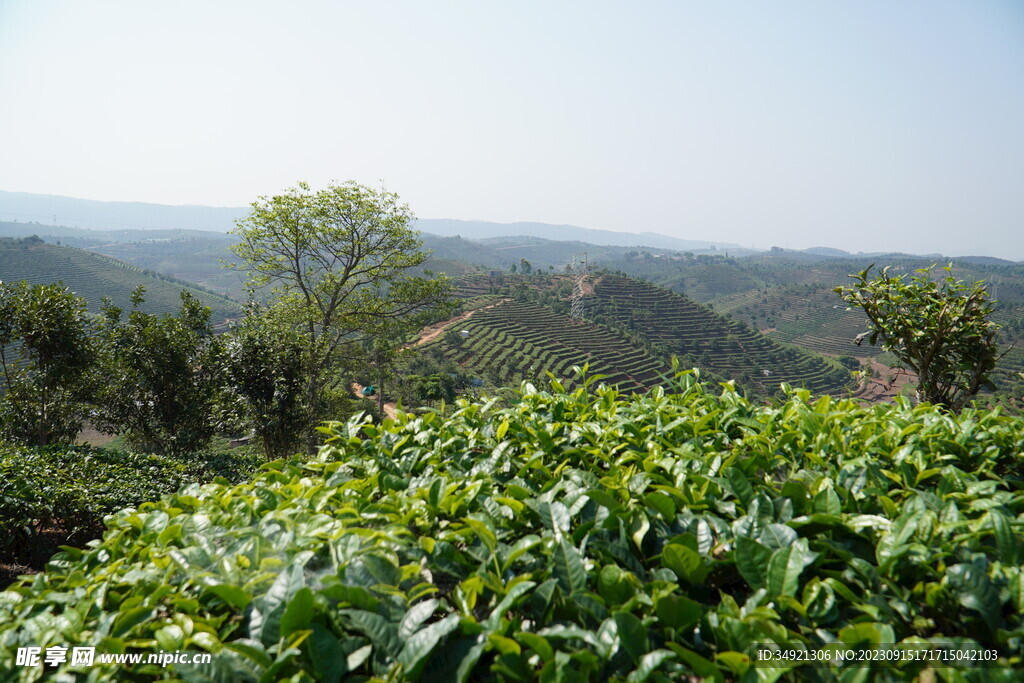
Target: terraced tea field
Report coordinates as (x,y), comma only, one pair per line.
(725,346)
(515,340)
(806,315)
(632,330)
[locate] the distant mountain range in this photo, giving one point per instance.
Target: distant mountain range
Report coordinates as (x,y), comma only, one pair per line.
(53,210)
(95,215)
(53,214)
(563,233)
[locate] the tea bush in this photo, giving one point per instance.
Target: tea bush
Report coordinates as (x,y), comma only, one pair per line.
(571,537)
(70,489)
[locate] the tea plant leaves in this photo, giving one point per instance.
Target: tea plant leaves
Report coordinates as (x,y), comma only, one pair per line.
(752,561)
(641,538)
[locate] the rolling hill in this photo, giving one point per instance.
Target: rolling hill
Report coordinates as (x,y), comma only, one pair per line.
(94,276)
(788,296)
(630,332)
(516,340)
(686,329)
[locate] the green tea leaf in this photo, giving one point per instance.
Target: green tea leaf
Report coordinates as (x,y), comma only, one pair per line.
(785,567)
(420,644)
(650,663)
(416,615)
(632,635)
(568,567)
(298,613)
(752,560)
(679,611)
(687,564)
(827,502)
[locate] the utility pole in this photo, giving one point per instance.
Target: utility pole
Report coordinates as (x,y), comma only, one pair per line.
(579,274)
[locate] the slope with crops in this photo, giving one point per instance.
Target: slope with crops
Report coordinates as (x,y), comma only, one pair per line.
(788,295)
(574,536)
(808,316)
(727,347)
(94,276)
(513,340)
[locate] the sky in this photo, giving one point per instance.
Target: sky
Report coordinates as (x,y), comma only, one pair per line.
(866,126)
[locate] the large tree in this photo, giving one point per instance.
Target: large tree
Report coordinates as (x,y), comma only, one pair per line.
(264,377)
(940,329)
(159,376)
(339,264)
(46,355)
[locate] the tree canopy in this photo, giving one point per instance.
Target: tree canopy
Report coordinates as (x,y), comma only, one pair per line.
(46,355)
(159,376)
(340,265)
(939,329)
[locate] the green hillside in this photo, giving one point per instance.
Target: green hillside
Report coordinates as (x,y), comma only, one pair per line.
(806,315)
(686,329)
(94,276)
(630,332)
(788,296)
(514,340)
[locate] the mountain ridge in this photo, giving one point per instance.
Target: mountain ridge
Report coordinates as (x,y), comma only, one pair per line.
(110,215)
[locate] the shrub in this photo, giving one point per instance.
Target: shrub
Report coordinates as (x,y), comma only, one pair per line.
(70,488)
(941,330)
(582,536)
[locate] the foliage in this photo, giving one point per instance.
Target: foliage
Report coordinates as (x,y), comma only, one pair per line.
(419,390)
(382,353)
(159,378)
(631,332)
(849,362)
(263,370)
(67,490)
(46,355)
(71,488)
(582,536)
(338,262)
(941,330)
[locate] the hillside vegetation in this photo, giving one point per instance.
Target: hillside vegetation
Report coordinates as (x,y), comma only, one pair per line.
(789,296)
(93,276)
(685,328)
(582,536)
(512,340)
(631,331)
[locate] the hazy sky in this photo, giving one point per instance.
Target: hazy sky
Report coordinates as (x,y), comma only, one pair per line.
(859,125)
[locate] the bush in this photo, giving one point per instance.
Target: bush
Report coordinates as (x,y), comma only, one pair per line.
(583,536)
(70,489)
(848,362)
(942,331)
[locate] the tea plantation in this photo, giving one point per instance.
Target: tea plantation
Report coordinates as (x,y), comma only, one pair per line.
(514,339)
(720,345)
(584,536)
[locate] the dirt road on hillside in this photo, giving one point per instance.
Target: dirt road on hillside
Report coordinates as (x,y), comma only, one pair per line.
(432,332)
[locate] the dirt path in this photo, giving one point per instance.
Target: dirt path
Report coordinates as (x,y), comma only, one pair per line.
(877,388)
(89,436)
(390,409)
(432,332)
